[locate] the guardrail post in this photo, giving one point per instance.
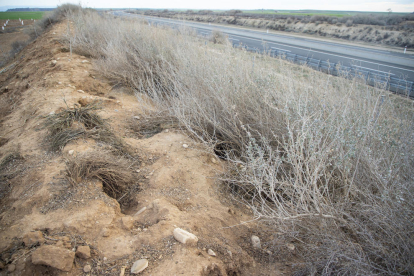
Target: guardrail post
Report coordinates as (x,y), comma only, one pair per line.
(411,89)
(319,64)
(366,79)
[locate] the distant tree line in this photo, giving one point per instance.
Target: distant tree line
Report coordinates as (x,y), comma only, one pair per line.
(30,9)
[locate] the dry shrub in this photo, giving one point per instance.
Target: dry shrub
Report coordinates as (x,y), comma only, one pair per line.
(218,37)
(73,123)
(324,159)
(112,171)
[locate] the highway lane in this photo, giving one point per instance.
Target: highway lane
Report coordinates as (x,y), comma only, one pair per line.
(363,58)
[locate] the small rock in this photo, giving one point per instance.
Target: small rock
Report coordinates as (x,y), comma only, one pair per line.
(184,236)
(33,238)
(290,246)
(122,271)
(11,268)
(81,91)
(53,62)
(83,252)
(52,113)
(140,211)
(85,61)
(127,222)
(256,242)
(139,266)
(136,117)
(105,232)
(213,160)
(59,82)
(71,152)
(185,146)
(6,88)
(211,253)
(54,256)
(87,268)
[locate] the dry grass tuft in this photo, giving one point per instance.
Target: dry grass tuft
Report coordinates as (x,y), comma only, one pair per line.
(153,124)
(74,123)
(113,171)
(10,167)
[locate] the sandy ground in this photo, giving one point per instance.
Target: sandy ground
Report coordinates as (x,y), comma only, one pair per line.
(175,176)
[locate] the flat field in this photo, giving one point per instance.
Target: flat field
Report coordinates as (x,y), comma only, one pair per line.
(21,15)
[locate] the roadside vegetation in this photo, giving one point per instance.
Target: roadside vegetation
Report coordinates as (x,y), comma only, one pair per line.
(326,161)
(390,29)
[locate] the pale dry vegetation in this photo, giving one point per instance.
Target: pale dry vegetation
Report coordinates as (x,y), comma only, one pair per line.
(390,29)
(325,160)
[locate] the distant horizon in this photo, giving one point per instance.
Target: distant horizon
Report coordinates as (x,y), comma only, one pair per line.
(5,8)
(404,6)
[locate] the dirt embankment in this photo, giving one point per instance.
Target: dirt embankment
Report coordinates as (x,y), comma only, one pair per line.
(112,203)
(399,35)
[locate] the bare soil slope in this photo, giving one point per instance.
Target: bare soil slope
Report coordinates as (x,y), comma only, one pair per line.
(44,216)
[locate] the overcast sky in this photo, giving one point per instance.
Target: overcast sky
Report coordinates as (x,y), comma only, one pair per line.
(349,5)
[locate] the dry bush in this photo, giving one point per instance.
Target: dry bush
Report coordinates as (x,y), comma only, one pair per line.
(218,37)
(326,160)
(73,123)
(112,171)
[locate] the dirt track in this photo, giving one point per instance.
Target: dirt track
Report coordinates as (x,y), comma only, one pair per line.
(175,181)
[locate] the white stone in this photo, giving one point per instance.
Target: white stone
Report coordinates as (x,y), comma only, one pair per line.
(87,268)
(184,236)
(211,253)
(291,246)
(185,146)
(53,62)
(85,61)
(136,117)
(140,211)
(256,242)
(214,160)
(81,91)
(71,152)
(139,266)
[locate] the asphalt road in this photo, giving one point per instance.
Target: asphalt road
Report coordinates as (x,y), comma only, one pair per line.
(372,60)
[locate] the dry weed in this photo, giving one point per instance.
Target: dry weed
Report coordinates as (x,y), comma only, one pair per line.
(113,171)
(73,123)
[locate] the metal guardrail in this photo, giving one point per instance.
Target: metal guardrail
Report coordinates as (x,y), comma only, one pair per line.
(385,81)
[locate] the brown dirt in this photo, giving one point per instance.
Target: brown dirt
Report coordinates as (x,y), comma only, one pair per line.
(176,184)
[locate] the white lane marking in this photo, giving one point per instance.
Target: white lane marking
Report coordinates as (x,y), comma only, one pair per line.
(280,49)
(373,69)
(234,39)
(326,53)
